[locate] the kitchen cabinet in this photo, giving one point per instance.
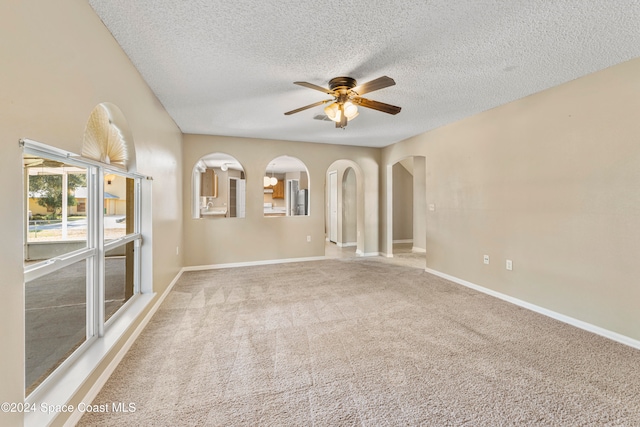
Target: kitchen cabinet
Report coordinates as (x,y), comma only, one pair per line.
(209,183)
(278,190)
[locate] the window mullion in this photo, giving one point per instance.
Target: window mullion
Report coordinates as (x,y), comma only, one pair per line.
(138,243)
(92,323)
(100,261)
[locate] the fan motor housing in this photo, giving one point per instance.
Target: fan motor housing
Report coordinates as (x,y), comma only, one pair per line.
(342,83)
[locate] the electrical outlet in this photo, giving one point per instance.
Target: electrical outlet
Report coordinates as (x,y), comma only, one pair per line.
(308,238)
(509,264)
(486,259)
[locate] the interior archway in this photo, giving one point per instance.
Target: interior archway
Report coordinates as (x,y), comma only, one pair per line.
(344,213)
(406,207)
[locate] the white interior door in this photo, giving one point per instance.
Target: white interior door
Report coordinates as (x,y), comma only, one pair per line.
(333,206)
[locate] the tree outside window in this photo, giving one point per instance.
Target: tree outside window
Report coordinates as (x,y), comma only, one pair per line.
(48,189)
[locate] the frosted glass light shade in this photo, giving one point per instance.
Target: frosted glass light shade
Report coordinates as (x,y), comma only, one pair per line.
(333,112)
(266,181)
(273,180)
(350,110)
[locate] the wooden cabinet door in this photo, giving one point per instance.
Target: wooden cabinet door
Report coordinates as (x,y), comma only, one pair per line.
(209,183)
(278,190)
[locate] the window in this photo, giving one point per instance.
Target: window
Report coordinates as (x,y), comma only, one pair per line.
(121,234)
(81,257)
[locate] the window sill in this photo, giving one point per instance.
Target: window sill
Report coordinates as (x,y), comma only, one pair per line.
(49,400)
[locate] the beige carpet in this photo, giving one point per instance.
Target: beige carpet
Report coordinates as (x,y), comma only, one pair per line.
(362,342)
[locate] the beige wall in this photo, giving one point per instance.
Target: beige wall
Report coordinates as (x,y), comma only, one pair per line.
(402,203)
(419,203)
(58,63)
(256,238)
(552,182)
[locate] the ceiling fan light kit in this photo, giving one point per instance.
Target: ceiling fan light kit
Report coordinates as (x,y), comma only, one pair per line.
(346,98)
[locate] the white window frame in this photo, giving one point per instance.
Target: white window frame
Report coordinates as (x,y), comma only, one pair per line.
(135,237)
(63,382)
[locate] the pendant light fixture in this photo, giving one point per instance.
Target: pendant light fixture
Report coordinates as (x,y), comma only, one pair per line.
(269,180)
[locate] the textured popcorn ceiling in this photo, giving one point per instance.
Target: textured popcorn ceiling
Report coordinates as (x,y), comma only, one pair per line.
(227,67)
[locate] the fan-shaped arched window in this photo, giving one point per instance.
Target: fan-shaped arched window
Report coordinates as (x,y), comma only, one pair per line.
(103,139)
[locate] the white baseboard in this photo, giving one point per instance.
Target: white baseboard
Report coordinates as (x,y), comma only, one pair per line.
(418,250)
(623,339)
(386,255)
(367,254)
(251,263)
(346,245)
(403,241)
(102,379)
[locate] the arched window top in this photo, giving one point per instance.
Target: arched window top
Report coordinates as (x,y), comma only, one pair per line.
(107,138)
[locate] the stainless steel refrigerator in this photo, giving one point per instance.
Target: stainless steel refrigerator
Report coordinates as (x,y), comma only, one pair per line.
(302,202)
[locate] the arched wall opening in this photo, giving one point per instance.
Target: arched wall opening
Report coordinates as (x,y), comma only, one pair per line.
(218,187)
(344,213)
(287,186)
(406,205)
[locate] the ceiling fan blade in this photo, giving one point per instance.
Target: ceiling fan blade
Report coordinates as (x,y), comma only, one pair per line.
(306,107)
(375,105)
(375,84)
(316,87)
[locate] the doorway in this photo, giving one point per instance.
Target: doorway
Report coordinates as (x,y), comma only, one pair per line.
(406,209)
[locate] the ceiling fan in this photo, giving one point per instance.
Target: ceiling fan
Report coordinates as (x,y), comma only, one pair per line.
(346,98)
